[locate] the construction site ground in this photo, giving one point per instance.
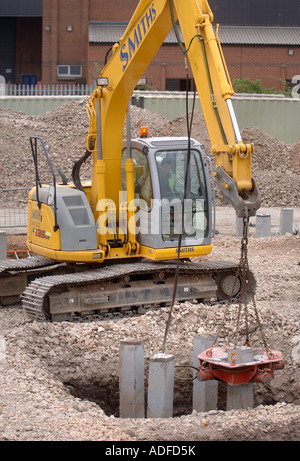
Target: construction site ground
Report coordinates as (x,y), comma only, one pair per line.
(60,381)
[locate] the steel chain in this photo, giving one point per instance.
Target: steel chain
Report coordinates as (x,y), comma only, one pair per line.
(246,289)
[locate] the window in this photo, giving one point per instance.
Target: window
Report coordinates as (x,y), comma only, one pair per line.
(171,167)
(66,71)
(142,180)
(178,84)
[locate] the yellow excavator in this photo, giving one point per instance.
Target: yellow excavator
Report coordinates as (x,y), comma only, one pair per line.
(115,242)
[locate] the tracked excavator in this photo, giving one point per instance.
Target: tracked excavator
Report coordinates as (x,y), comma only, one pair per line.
(110,247)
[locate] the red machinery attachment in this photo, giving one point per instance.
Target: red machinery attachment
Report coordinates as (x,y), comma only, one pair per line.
(242,365)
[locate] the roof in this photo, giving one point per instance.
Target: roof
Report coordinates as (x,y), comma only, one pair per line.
(111,32)
(105,32)
(259,35)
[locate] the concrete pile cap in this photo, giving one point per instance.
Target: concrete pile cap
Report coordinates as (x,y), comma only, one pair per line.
(131,342)
(160,357)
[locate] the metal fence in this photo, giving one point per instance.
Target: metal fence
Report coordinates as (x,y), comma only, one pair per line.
(48,90)
(13,207)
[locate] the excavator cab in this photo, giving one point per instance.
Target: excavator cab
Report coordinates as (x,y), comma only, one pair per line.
(163,195)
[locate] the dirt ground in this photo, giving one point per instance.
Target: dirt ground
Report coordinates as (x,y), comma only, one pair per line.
(59,381)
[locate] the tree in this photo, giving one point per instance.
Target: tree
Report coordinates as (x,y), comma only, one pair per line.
(246,85)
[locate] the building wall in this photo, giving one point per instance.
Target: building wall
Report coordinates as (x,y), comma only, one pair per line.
(61,46)
(272,65)
(21,8)
(168,63)
(112,10)
(258,12)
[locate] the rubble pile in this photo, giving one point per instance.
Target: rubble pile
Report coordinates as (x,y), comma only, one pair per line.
(64,132)
(275,165)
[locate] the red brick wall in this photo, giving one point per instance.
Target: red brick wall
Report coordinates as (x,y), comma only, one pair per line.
(50,41)
(168,63)
(72,44)
(59,45)
(272,65)
(63,47)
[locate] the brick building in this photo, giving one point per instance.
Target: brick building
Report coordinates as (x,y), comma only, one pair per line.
(66,41)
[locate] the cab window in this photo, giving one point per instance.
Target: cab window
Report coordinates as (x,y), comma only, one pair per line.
(171,168)
(142,179)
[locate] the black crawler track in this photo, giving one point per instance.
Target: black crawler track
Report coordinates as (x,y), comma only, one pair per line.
(90,286)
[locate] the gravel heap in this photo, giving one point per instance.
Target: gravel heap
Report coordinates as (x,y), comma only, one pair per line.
(64,131)
(276,165)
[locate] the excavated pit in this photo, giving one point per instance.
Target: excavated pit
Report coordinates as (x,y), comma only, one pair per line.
(105,393)
(107,396)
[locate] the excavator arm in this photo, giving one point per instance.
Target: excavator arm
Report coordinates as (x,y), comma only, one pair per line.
(232,155)
(107,106)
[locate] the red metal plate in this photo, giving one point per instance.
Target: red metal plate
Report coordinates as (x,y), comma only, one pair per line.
(260,368)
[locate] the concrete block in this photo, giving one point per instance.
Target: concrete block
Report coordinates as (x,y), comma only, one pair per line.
(286,221)
(131,380)
(2,349)
(2,85)
(263,225)
(245,354)
(161,386)
(239,397)
(205,393)
(3,245)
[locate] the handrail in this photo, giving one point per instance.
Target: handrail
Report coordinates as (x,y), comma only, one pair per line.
(213,194)
(34,150)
